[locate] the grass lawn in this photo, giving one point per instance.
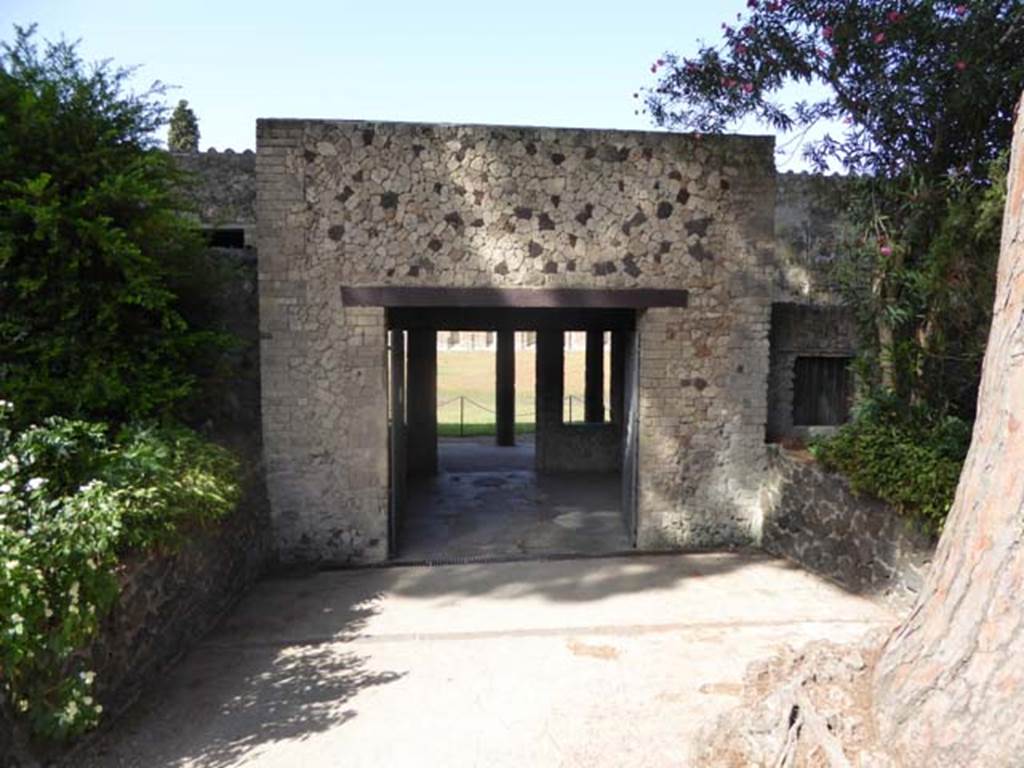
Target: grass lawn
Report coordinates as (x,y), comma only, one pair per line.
(470,375)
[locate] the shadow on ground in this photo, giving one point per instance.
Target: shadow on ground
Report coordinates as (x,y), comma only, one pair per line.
(306,655)
(239,691)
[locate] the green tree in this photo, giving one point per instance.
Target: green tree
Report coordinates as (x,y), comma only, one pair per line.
(92,240)
(183,130)
(923,92)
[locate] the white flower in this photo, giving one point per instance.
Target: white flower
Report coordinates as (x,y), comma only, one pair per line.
(88,677)
(23,705)
(5,488)
(71,710)
(35,483)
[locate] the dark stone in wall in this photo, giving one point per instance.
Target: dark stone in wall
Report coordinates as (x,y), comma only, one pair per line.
(629,266)
(638,219)
(698,227)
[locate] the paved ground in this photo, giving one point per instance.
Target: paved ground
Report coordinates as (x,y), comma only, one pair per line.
(488,502)
(587,662)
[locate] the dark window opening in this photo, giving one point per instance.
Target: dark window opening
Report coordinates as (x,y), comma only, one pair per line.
(225,238)
(822,390)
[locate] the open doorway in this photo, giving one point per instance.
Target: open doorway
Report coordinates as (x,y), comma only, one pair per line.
(509,441)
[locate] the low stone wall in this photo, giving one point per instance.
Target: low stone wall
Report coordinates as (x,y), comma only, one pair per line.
(813,518)
(579,447)
(169,600)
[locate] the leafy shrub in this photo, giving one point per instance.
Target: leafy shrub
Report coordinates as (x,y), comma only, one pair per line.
(908,457)
(93,242)
(72,499)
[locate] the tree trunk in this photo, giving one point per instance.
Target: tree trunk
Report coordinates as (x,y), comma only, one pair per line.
(950,684)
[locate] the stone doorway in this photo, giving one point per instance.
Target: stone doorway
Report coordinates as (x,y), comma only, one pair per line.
(559,490)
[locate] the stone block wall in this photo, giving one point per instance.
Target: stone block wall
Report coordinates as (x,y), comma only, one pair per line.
(223,188)
(809,223)
(354,203)
(813,518)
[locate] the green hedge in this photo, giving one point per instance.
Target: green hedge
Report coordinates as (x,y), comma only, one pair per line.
(73,499)
(907,457)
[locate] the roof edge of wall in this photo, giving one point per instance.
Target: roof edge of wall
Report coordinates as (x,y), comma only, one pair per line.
(292,122)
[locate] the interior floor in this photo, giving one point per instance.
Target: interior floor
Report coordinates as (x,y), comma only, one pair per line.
(488,502)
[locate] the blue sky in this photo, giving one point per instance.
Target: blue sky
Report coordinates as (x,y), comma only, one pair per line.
(526,62)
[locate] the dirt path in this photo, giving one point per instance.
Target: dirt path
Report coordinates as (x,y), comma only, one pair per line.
(590,662)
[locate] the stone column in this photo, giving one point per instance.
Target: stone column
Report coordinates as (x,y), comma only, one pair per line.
(505,388)
(550,385)
(594,387)
(422,402)
(618,383)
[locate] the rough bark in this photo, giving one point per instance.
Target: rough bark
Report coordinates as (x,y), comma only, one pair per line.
(949,685)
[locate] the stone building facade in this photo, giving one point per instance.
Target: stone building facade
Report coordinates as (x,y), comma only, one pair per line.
(371,204)
(557,212)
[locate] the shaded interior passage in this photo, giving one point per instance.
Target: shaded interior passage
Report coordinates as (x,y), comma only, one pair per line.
(488,501)
(498,491)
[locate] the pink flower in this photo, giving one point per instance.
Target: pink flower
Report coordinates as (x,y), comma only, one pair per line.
(748,87)
(879,37)
(660,62)
(691,67)
(961,10)
(961,65)
(751,3)
(885,250)
(654,68)
(741,49)
(895,16)
(728,82)
(827,33)
(822,53)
